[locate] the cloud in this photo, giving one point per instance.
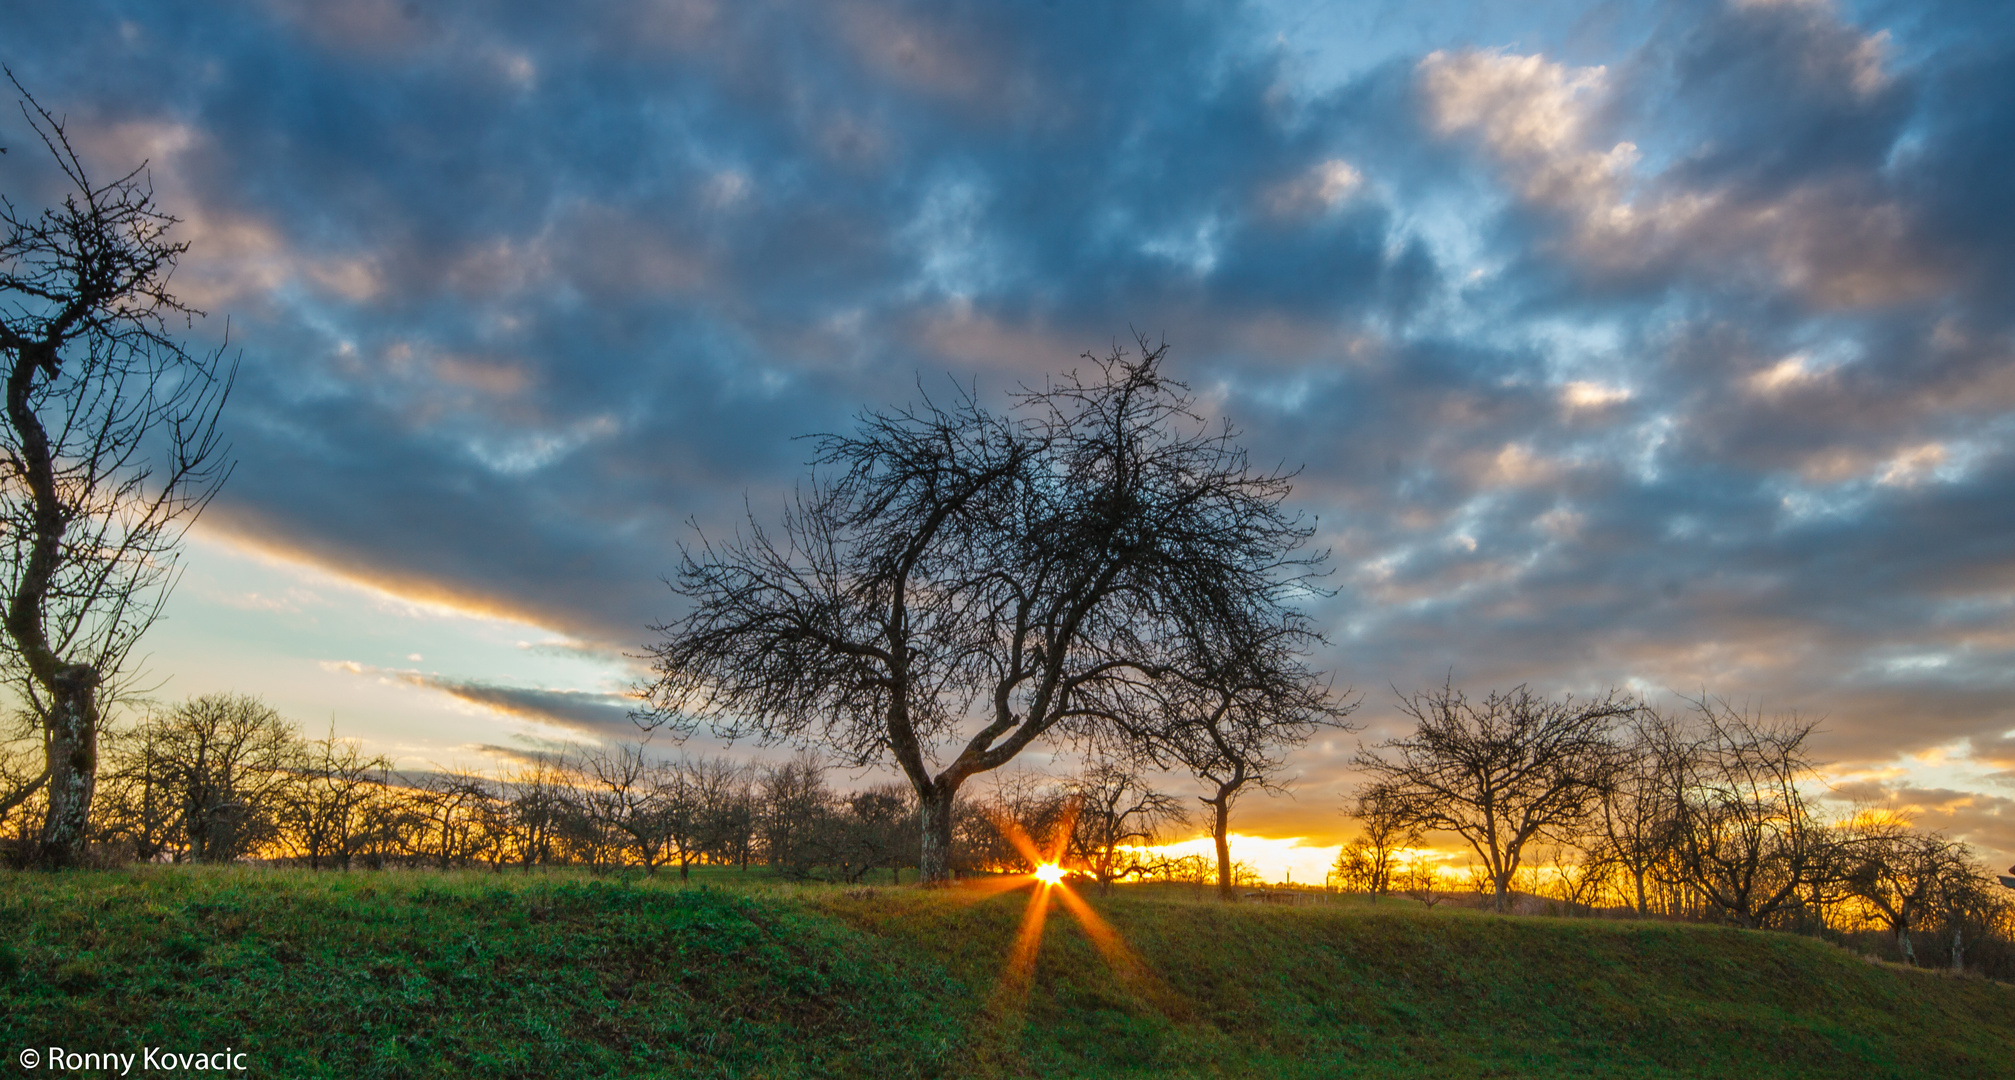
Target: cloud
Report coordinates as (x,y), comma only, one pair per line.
(1666,349)
(592,713)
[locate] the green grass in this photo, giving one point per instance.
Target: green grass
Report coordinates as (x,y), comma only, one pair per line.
(416,974)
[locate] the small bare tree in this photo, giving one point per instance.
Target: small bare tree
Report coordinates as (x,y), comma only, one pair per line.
(1499,773)
(876,830)
(455,807)
(325,807)
(1745,837)
(1640,807)
(1369,863)
(1234,709)
(626,795)
(1901,876)
(795,815)
(723,792)
(1113,809)
(108,450)
(1421,880)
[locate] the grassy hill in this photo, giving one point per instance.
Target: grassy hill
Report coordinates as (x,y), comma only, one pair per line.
(469,975)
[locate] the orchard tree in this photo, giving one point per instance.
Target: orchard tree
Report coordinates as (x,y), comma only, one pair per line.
(954,584)
(1233,709)
(1500,773)
(1744,836)
(1111,810)
(108,450)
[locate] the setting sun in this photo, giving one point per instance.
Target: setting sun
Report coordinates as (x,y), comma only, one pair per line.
(1049,873)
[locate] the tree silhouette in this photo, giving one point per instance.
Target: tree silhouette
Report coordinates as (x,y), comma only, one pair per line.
(108,450)
(955,584)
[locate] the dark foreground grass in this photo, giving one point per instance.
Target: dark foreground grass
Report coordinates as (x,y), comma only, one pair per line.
(415,974)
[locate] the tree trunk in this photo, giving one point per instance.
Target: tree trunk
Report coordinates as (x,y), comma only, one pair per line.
(1643,908)
(1219,824)
(934,863)
(73,764)
(1903,947)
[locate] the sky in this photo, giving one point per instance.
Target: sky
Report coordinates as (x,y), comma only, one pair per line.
(1664,346)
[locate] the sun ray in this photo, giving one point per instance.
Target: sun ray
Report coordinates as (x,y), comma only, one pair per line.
(1127,965)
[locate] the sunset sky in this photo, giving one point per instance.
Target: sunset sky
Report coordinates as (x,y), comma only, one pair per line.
(1667,346)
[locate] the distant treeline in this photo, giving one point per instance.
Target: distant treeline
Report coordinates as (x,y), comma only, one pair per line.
(1610,804)
(226,778)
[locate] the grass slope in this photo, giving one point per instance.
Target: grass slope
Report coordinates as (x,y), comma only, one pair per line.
(413,974)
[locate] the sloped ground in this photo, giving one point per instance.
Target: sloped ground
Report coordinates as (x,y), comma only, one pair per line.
(416,974)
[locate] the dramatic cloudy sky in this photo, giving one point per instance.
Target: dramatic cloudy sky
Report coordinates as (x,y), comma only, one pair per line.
(1661,345)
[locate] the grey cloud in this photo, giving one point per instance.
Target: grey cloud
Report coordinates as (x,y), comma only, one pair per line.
(590,712)
(521,294)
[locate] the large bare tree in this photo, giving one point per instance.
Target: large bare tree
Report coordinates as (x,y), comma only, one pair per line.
(1501,772)
(108,450)
(956,583)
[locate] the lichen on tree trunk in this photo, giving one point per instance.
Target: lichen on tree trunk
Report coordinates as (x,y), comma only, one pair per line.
(935,853)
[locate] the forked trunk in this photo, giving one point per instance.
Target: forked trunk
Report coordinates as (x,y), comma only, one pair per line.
(934,857)
(73,765)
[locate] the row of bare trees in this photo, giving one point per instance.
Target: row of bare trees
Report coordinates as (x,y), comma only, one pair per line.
(1706,814)
(225,777)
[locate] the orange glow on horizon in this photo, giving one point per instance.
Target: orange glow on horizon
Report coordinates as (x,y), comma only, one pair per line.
(1049,874)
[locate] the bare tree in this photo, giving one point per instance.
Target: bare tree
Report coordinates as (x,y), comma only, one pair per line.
(108,451)
(1420,880)
(877,829)
(1111,810)
(1499,773)
(795,815)
(137,804)
(1236,705)
(1640,805)
(726,813)
(1020,815)
(535,805)
(958,584)
(324,808)
(224,761)
(1744,835)
(626,795)
(1901,876)
(1369,863)
(455,807)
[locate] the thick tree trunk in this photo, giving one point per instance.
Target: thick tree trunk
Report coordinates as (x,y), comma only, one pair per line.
(934,861)
(1903,947)
(1220,835)
(73,765)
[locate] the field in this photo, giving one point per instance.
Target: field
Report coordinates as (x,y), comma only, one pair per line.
(398,974)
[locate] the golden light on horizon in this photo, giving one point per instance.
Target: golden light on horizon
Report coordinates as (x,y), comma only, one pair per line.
(1049,874)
